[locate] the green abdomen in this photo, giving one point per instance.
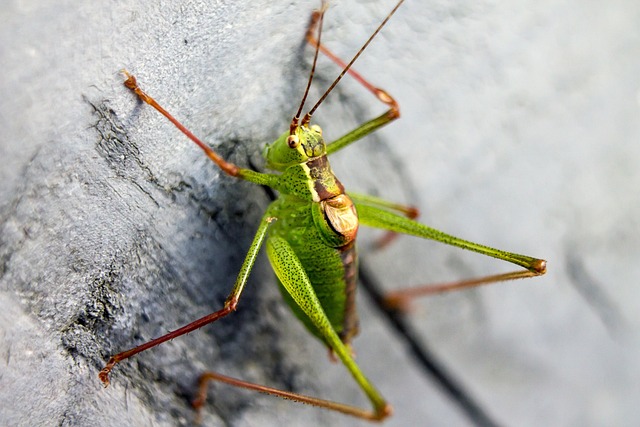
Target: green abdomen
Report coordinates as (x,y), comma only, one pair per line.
(332,271)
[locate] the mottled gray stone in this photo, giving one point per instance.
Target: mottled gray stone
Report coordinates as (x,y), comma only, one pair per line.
(520,130)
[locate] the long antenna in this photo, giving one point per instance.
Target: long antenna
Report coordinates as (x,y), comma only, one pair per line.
(296,118)
(307,116)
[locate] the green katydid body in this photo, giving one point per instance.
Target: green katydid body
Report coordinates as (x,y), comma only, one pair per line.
(318,220)
(309,232)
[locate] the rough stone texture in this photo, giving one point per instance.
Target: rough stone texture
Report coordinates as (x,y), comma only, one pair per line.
(520,129)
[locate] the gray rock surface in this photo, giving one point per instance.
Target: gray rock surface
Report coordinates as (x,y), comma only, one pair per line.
(520,129)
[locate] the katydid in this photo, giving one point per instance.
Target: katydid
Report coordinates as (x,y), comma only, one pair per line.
(310,232)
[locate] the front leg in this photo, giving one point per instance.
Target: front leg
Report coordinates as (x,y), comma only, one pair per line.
(383,96)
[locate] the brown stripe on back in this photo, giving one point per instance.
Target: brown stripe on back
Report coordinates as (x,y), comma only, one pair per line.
(325,182)
(351,324)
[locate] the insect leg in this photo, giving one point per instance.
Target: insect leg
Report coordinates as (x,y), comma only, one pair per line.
(362,131)
(399,299)
(310,400)
(374,124)
(365,199)
(410,212)
(294,279)
(381,94)
(291,273)
(229,306)
(377,217)
(229,168)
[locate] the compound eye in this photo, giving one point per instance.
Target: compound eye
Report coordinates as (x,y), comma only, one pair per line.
(317,129)
(293,141)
